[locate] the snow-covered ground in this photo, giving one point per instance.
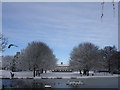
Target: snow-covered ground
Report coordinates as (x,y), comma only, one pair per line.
(29,74)
(23,74)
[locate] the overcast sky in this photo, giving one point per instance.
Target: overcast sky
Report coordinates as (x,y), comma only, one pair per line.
(61,26)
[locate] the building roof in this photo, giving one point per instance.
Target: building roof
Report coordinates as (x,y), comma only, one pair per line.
(62,65)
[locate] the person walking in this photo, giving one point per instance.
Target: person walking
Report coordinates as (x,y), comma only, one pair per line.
(12,74)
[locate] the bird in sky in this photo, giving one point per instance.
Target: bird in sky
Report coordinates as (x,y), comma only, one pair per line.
(102,15)
(12,45)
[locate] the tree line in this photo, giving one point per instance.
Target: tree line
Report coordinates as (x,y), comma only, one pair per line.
(38,57)
(87,56)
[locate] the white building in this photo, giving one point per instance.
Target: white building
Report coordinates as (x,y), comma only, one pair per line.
(62,68)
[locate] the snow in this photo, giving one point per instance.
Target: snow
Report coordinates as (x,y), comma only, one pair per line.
(62,65)
(47,86)
(29,74)
(24,74)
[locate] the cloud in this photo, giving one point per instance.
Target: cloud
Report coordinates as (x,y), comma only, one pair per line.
(60,25)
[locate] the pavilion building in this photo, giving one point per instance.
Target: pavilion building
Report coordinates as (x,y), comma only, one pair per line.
(62,68)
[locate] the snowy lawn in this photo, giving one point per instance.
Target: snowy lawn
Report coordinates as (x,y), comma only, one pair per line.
(73,75)
(23,74)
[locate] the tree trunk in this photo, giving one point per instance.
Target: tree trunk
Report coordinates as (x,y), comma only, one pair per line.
(13,66)
(42,70)
(109,66)
(34,71)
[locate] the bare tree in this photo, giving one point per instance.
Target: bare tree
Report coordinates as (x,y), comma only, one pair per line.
(84,57)
(22,63)
(115,62)
(7,62)
(38,57)
(3,42)
(108,52)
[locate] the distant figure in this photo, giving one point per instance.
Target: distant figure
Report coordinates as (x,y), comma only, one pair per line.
(87,73)
(12,45)
(80,71)
(12,74)
(92,74)
(84,72)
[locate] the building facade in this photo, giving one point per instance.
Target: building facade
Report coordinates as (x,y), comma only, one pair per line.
(62,68)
